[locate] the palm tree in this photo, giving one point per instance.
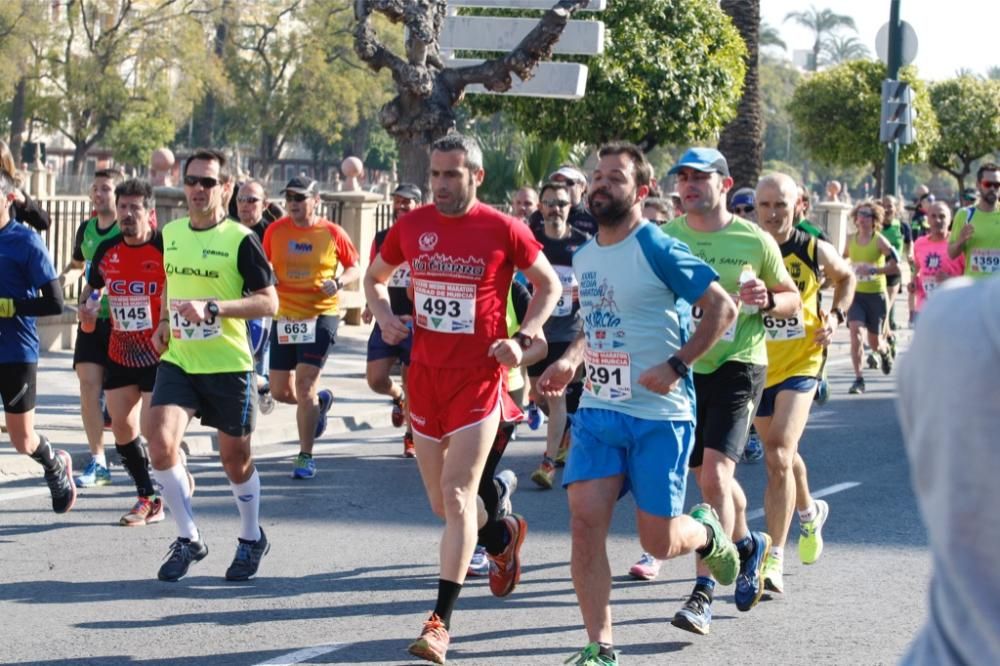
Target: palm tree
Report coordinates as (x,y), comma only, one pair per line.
(769,36)
(993,73)
(742,140)
(837,50)
(821,22)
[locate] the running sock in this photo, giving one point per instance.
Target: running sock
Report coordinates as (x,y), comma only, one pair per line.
(136,464)
(809,514)
(745,548)
(44,455)
(494,537)
(606,650)
(705,586)
(777,552)
(705,550)
(101,459)
(247,496)
(176,495)
(448,592)
(301,453)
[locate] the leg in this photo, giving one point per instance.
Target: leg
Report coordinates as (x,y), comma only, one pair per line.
(237,461)
(307,412)
(91,376)
(166,426)
(781,436)
(665,538)
(380,381)
(282,388)
(125,406)
(803,498)
(857,345)
(591,504)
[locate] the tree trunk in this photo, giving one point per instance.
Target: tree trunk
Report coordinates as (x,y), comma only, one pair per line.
(742,139)
(414,165)
(17,118)
(80,148)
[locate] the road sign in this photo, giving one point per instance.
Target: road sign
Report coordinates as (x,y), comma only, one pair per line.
(592,6)
(897,113)
(559,80)
(487,33)
(909,43)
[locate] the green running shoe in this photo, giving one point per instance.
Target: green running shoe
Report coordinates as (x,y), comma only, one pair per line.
(811,534)
(591,656)
(773,569)
(724,560)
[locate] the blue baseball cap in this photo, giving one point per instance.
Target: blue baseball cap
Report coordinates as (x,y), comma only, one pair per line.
(702,159)
(743,197)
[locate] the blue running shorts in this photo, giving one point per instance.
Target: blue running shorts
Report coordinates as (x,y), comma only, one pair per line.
(798,384)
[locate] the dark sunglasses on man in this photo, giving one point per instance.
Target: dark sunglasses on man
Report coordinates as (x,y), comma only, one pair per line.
(205,181)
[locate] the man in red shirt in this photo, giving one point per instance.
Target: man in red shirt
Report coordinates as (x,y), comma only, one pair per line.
(462,256)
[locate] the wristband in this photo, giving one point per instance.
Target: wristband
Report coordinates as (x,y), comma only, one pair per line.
(839,314)
(770,302)
(6,308)
(679,366)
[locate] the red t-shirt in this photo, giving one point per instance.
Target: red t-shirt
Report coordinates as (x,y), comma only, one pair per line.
(461,271)
(134,277)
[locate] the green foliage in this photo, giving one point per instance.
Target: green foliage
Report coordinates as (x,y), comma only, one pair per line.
(139,132)
(778,80)
(967,111)
(672,71)
(540,157)
(837,114)
(501,171)
(382,152)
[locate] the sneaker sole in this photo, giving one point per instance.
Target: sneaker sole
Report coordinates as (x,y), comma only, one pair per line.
(423,651)
(771,587)
(542,481)
(68,462)
(174,580)
(681,622)
(641,575)
(516,560)
(237,579)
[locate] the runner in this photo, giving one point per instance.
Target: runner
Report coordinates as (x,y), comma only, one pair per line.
(796,348)
(635,425)
(900,238)
(217,276)
(872,258)
(976,232)
(933,264)
(728,379)
(307,252)
(130,267)
(30,288)
(559,242)
(90,352)
(381,356)
(462,255)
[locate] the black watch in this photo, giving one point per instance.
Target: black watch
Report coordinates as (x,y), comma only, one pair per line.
(679,366)
(770,302)
(523,340)
(839,314)
(212,308)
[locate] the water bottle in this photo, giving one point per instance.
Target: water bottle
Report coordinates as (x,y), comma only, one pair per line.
(746,276)
(88,320)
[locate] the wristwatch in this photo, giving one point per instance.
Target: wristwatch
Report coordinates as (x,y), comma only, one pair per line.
(212,308)
(770,302)
(839,314)
(523,340)
(679,366)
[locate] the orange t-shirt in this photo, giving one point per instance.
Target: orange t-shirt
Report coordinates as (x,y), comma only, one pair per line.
(303,258)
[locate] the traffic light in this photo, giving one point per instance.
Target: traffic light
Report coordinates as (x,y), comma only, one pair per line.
(897,113)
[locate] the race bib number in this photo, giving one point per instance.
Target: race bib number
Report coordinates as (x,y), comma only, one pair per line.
(780,330)
(984,261)
(296,332)
(131,313)
(400,277)
(564,306)
(445,307)
(696,314)
(930,284)
(182,329)
(609,375)
(864,273)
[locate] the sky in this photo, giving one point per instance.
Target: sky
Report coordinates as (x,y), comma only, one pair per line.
(950,35)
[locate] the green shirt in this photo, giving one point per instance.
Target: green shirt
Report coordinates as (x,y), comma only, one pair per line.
(89,236)
(867,254)
(205,265)
(982,251)
(727,250)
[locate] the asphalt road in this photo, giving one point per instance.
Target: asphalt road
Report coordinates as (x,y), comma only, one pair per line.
(352,570)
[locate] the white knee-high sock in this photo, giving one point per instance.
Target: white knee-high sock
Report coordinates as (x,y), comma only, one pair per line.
(247,496)
(176,492)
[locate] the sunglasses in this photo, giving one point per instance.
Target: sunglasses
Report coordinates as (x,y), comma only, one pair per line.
(560,203)
(865,213)
(742,209)
(248,199)
(205,181)
(295,196)
(990,184)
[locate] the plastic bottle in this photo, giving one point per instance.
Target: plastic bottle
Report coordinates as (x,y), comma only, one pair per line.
(746,276)
(88,323)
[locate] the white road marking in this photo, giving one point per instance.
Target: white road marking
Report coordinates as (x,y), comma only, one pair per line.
(822,492)
(300,656)
(21,494)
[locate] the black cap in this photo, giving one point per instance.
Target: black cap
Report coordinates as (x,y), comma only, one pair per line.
(408,191)
(969,194)
(301,185)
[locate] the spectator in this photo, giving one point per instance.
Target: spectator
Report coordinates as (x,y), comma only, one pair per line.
(23,209)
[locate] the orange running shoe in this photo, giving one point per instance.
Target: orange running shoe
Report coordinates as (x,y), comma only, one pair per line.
(409,451)
(505,568)
(432,644)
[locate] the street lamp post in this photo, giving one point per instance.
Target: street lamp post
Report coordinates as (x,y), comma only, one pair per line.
(890,177)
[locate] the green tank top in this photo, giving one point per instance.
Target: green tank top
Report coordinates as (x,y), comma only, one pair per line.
(868,254)
(92,237)
(202,265)
(515,380)
(893,233)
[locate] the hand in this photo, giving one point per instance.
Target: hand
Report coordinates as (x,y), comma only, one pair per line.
(660,378)
(507,352)
(396,330)
(193,311)
(6,308)
(84,315)
(824,334)
(753,292)
(18,196)
(966,233)
(366,315)
(911,287)
(330,287)
(556,378)
(161,337)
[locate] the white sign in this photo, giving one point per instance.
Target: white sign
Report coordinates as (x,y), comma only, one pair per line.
(909,43)
(592,6)
(487,33)
(559,80)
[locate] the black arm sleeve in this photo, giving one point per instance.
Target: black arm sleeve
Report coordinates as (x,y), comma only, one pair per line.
(29,213)
(253,265)
(50,302)
(94,277)
(78,242)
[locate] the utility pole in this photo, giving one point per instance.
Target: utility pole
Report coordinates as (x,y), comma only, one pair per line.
(890,176)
